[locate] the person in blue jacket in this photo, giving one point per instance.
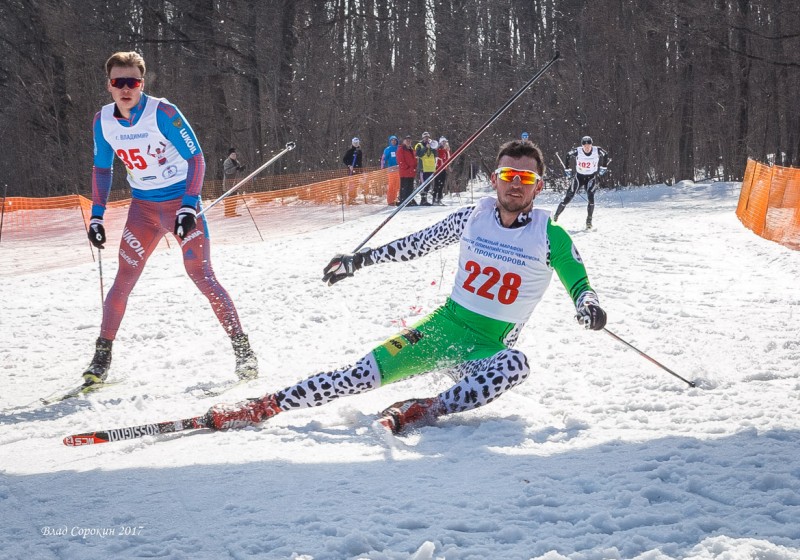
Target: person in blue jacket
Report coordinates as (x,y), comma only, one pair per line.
(389,157)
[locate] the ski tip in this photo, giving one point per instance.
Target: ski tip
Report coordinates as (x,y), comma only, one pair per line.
(82,439)
(556,55)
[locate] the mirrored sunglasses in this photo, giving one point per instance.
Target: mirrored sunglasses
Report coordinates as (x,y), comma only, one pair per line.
(526,176)
(130,83)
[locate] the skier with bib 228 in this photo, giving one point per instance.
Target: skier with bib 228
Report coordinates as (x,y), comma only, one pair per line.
(590,162)
(509,250)
(165,194)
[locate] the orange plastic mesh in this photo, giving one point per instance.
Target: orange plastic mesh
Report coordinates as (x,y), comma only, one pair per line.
(769,203)
(45,233)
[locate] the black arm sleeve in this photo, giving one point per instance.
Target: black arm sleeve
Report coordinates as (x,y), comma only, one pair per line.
(570,154)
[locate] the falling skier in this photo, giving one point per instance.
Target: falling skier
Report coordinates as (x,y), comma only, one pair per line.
(508,253)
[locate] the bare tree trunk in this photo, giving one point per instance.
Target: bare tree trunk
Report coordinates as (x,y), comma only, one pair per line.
(686,97)
(743,65)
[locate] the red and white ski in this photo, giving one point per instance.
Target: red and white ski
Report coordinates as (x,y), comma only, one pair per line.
(119,434)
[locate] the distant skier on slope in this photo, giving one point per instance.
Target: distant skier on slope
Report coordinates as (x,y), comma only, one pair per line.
(590,162)
(165,191)
(508,253)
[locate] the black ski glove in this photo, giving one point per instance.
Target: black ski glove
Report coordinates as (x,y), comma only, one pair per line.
(185,221)
(591,316)
(97,233)
(342,266)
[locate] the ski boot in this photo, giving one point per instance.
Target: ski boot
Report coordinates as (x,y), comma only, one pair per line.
(413,412)
(246,361)
(97,371)
(424,201)
(588,223)
(241,414)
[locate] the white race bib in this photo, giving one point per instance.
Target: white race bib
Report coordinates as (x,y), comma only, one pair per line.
(502,272)
(152,161)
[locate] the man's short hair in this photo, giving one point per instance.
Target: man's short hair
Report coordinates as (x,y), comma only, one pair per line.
(232,151)
(522,148)
(125,58)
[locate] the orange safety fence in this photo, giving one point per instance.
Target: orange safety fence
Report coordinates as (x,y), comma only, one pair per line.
(45,233)
(769,203)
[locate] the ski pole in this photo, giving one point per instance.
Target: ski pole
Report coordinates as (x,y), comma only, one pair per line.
(119,434)
(562,163)
(100,269)
(461,148)
(662,366)
(3,210)
(565,174)
(247,207)
(289,147)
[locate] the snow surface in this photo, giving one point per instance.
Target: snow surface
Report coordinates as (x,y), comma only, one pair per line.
(600,454)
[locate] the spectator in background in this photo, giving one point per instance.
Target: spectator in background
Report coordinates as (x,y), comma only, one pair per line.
(353,160)
(407,162)
(442,157)
(353,156)
(426,162)
(426,138)
(230,174)
(524,136)
(389,157)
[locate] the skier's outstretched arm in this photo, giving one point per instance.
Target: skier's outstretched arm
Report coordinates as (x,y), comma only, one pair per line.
(433,238)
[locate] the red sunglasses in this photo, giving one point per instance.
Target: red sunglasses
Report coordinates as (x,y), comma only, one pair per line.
(526,176)
(130,83)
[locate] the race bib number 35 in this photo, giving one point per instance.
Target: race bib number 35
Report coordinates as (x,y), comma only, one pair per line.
(132,158)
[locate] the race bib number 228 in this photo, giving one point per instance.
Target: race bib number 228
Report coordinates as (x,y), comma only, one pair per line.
(482,282)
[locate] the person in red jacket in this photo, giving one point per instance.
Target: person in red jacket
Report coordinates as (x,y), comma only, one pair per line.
(407,162)
(442,157)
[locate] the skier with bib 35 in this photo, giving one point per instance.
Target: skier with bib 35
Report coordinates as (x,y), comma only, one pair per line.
(165,169)
(509,251)
(590,161)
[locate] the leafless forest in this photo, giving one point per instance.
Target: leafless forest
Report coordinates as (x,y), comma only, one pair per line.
(673,89)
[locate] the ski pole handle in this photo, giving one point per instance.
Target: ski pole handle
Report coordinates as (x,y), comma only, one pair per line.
(289,147)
